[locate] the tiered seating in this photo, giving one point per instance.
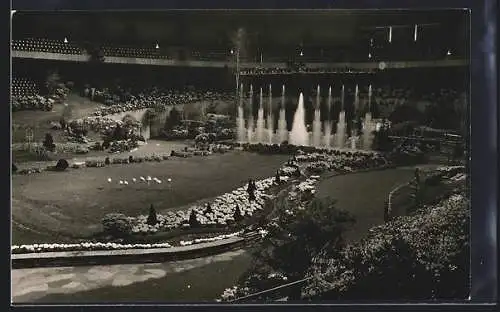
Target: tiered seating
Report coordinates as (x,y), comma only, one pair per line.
(45,45)
(135,52)
(23,86)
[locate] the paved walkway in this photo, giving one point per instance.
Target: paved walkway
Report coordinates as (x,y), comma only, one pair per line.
(28,285)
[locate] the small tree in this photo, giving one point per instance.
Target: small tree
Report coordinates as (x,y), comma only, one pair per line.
(152,218)
(48,142)
(237,214)
(193,222)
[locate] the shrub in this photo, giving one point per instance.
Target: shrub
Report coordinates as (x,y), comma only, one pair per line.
(152,218)
(130,159)
(117,225)
(107,161)
(14,168)
(62,164)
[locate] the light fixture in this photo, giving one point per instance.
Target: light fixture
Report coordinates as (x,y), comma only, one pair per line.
(157,46)
(65,40)
(390,34)
(415,31)
(232,51)
(448,53)
(301,53)
(369,55)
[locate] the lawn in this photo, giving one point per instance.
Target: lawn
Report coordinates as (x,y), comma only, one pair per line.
(58,205)
(363,195)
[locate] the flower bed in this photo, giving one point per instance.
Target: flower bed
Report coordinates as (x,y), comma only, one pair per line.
(221,214)
(158,99)
(91,246)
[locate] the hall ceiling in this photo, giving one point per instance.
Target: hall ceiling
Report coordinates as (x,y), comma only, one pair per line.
(217,27)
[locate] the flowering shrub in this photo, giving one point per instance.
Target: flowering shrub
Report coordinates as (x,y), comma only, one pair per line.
(424,256)
(222,211)
(31,102)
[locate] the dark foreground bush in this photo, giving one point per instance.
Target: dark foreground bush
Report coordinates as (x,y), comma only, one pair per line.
(14,168)
(116,225)
(62,164)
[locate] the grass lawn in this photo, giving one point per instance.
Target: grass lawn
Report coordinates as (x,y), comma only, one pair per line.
(363,195)
(72,203)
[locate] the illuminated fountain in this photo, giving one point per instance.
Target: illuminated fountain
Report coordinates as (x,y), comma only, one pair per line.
(250,118)
(316,135)
(341,125)
(270,120)
(368,126)
(299,134)
(328,122)
(260,120)
(240,121)
(282,129)
(354,134)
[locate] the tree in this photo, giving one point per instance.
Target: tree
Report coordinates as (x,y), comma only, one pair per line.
(237,214)
(193,221)
(173,119)
(152,218)
(295,239)
(48,142)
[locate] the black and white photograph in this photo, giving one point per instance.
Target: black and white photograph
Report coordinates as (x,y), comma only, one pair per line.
(240,156)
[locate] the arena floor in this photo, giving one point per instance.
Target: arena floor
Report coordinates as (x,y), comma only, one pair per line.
(362,194)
